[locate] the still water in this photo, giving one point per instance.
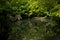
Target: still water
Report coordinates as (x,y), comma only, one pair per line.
(32,30)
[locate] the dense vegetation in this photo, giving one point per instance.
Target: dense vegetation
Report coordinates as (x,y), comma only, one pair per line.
(12,11)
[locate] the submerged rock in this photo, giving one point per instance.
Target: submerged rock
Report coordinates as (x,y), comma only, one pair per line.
(14,18)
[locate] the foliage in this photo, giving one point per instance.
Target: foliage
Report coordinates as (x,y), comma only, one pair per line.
(29,7)
(55,11)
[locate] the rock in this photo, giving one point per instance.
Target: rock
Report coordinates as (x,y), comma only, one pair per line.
(14,18)
(39,18)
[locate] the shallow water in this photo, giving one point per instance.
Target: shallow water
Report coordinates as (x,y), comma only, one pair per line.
(32,30)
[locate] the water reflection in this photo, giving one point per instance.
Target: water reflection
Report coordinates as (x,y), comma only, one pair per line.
(31,30)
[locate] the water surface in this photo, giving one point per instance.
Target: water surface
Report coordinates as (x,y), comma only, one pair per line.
(32,30)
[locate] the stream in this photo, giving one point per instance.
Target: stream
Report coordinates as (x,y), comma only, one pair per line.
(32,30)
